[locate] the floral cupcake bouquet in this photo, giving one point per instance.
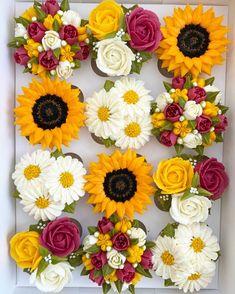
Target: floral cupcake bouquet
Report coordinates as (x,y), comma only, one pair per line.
(50,113)
(116,254)
(120,184)
(185,256)
(48,184)
(189,114)
(119,114)
(186,185)
(122,38)
(40,252)
(50,39)
(193,41)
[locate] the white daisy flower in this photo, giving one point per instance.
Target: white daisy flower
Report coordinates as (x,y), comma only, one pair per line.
(134,95)
(197,242)
(135,133)
(104,112)
(167,258)
(196,278)
(31,168)
(65,180)
(38,203)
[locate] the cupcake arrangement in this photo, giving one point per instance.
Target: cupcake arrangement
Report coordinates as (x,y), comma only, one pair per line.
(50,41)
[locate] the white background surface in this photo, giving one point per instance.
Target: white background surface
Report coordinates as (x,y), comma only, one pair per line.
(154,219)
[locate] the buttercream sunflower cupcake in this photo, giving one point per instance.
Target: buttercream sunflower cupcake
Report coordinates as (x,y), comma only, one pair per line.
(120,183)
(193,41)
(50,113)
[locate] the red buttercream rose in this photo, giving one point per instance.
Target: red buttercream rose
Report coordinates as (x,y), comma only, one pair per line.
(173,112)
(197,94)
(168,138)
(222,125)
(99,280)
(99,260)
(178,82)
(126,274)
(146,259)
(36,31)
(120,241)
(69,33)
(204,123)
(50,7)
(21,56)
(105,225)
(83,53)
(48,60)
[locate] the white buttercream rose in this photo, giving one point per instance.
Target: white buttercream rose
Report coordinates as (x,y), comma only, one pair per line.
(53,278)
(51,40)
(71,17)
(162,100)
(115,259)
(89,241)
(138,233)
(114,57)
(192,110)
(211,88)
(64,69)
(192,140)
(192,210)
(20,30)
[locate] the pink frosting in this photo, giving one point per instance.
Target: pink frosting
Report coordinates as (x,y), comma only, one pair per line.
(50,7)
(143,27)
(36,31)
(21,56)
(126,274)
(168,138)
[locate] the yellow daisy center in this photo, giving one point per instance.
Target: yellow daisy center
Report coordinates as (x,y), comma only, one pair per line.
(103,113)
(42,202)
(66,179)
(167,258)
(131,97)
(32,171)
(197,244)
(133,130)
(194,277)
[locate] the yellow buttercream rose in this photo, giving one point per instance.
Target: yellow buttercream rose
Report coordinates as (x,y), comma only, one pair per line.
(105,18)
(173,175)
(24,249)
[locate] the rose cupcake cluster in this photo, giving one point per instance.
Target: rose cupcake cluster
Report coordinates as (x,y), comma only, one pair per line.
(116,254)
(50,39)
(48,184)
(119,114)
(185,256)
(43,253)
(122,38)
(189,114)
(186,185)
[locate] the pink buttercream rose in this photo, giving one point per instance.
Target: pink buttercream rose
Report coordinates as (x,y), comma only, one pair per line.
(126,274)
(197,94)
(48,60)
(50,7)
(143,26)
(83,53)
(178,82)
(105,225)
(146,259)
(98,260)
(168,138)
(69,33)
(21,56)
(204,123)
(99,280)
(121,241)
(61,237)
(173,112)
(36,31)
(213,177)
(222,125)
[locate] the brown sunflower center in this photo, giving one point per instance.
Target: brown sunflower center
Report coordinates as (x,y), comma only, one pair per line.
(49,112)
(120,185)
(193,40)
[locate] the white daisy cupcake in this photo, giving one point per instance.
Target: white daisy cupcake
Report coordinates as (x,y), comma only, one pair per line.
(31,168)
(167,258)
(38,203)
(135,97)
(104,112)
(197,277)
(65,180)
(197,242)
(135,133)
